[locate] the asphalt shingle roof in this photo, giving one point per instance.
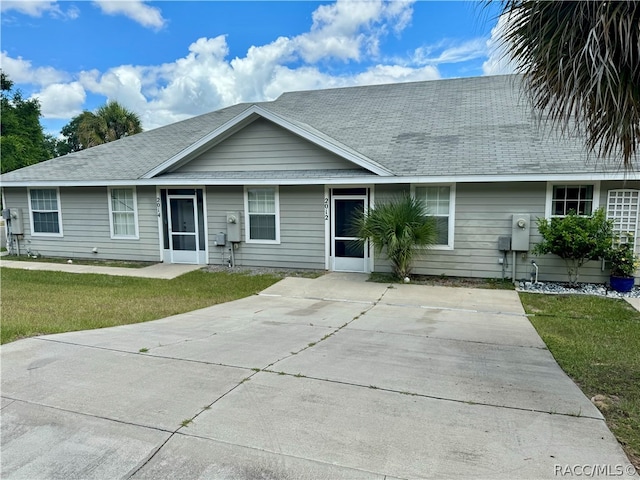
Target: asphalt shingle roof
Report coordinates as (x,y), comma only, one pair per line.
(469,126)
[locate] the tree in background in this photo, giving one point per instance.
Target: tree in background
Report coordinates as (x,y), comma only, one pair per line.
(398,228)
(110,122)
(581,63)
(22,141)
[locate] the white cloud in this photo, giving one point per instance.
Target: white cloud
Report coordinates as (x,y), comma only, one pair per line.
(346,29)
(395,74)
(205,79)
(21,71)
(450,52)
(61,100)
(498,61)
(136,10)
(29,7)
(36,8)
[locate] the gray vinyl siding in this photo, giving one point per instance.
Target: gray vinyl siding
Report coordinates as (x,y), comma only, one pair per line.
(484,213)
(302,234)
(263,145)
(85,224)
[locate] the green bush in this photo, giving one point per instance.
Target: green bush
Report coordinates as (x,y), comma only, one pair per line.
(576,239)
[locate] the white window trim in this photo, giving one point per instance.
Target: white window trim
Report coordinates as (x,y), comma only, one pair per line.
(136,236)
(549,199)
(58,200)
(452,211)
(247,220)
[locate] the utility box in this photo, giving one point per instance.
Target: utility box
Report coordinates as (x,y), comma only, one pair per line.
(504,244)
(15,220)
(233,227)
(220,240)
(520,232)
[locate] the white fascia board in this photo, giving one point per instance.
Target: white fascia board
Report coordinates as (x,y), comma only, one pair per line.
(369,180)
(232,125)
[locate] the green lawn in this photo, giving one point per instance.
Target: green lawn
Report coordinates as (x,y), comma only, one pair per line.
(41,302)
(597,342)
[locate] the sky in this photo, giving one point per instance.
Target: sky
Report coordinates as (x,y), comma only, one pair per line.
(172,60)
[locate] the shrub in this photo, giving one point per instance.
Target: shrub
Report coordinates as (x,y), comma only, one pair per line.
(397,227)
(624,262)
(576,239)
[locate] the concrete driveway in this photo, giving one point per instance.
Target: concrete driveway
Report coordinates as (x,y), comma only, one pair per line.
(326,378)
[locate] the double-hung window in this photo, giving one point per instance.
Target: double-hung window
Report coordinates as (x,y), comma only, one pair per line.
(123,213)
(262,212)
(440,203)
(562,198)
(44,212)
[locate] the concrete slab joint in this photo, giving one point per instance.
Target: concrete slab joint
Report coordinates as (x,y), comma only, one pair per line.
(334,377)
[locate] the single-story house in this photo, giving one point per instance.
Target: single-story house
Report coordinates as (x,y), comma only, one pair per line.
(274,183)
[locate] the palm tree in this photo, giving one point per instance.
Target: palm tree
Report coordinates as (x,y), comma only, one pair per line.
(110,122)
(398,227)
(581,63)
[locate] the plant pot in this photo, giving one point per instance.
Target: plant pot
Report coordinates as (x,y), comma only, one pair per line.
(621,284)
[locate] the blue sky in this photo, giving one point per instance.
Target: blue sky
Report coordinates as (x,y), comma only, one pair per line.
(171,60)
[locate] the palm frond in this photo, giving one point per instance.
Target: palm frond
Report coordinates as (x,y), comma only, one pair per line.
(581,66)
(397,227)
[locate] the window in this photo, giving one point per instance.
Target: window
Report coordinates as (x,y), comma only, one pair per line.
(262,213)
(440,202)
(123,213)
(564,198)
(623,207)
(44,212)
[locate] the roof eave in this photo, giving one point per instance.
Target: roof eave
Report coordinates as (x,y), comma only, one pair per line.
(328,180)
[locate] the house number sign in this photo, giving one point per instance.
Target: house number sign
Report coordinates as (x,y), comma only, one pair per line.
(326,209)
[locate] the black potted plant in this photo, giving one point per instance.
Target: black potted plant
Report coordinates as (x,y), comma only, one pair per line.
(624,263)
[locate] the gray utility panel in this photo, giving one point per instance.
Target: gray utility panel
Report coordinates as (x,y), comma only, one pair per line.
(520,232)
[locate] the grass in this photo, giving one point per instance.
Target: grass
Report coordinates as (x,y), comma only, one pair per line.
(42,302)
(596,341)
(82,261)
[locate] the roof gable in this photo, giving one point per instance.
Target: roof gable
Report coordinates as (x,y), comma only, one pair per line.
(247,117)
(264,146)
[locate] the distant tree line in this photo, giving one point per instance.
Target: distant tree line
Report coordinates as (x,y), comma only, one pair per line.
(23,141)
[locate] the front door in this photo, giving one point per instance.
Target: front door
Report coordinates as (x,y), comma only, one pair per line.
(348,252)
(183,228)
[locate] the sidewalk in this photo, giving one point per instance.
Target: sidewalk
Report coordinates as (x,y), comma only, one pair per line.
(165,271)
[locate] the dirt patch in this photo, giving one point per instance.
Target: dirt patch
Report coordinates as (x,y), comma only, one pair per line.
(277,272)
(440,280)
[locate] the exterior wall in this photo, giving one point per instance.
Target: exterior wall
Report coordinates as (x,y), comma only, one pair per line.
(302,235)
(263,145)
(85,225)
(484,213)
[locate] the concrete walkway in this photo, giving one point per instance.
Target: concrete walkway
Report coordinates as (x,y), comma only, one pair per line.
(159,270)
(321,378)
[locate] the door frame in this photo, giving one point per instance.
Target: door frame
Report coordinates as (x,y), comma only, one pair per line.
(173,253)
(165,254)
(330,200)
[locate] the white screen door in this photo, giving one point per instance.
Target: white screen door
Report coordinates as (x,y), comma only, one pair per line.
(183,228)
(349,253)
